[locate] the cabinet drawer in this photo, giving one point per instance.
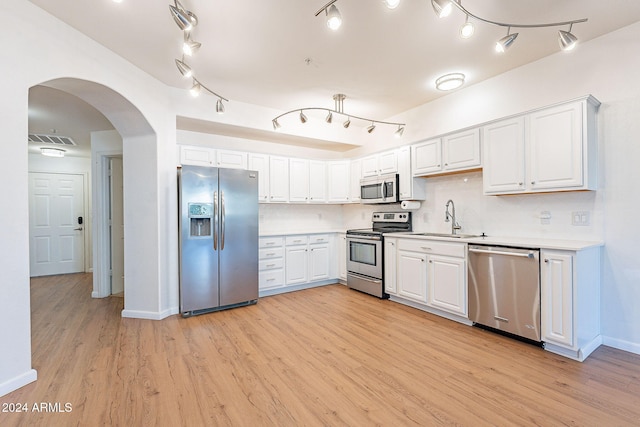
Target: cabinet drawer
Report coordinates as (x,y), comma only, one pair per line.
(433,247)
(271,279)
(318,238)
(269,253)
(296,240)
(269,242)
(271,264)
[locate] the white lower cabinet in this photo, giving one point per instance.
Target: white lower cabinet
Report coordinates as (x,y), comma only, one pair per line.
(432,273)
(271,263)
(570,301)
(412,275)
(308,258)
(447,281)
(342,256)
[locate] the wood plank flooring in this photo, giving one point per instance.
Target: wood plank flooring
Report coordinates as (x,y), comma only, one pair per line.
(326,356)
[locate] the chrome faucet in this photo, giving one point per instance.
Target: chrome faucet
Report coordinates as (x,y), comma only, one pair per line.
(451,216)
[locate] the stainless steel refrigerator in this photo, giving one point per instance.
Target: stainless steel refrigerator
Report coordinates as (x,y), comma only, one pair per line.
(218,230)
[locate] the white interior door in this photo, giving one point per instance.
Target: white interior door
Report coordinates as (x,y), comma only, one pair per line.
(116,221)
(56,223)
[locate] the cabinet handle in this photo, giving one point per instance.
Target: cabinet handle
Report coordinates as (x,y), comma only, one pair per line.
(533,182)
(270,265)
(271,254)
(270,280)
(546,260)
(520,184)
(270,243)
(430,261)
(425,248)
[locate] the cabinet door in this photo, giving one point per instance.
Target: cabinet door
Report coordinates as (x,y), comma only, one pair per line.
(296,264)
(390,270)
(318,262)
(231,159)
(504,157)
(298,180)
(370,166)
(555,147)
(556,294)
(426,157)
(412,275)
(317,179)
(461,150)
(338,182)
(404,171)
(198,156)
(278,179)
(388,162)
(342,256)
(260,163)
(356,175)
(447,285)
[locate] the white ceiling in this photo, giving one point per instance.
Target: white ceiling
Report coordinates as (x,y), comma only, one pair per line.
(277,54)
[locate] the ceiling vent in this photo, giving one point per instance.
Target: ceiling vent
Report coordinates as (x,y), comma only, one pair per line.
(52,139)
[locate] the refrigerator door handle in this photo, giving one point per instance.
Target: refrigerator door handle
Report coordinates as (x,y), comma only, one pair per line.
(222,218)
(215,220)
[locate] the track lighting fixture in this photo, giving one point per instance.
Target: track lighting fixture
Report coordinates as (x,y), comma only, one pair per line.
(503,44)
(186,20)
(219,106)
(334,19)
(195,89)
(339,104)
(566,39)
(184,69)
(442,7)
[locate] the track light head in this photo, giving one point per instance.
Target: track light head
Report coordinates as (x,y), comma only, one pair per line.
(303,118)
(329,117)
(334,19)
(371,128)
(567,40)
(467,29)
(189,47)
(195,89)
(184,69)
(185,19)
(399,132)
(392,4)
(347,123)
(276,125)
(504,43)
(442,7)
(219,106)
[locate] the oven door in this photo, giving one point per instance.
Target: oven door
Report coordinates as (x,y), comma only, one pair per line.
(364,256)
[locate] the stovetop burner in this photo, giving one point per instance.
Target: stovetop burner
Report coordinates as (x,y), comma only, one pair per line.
(385,222)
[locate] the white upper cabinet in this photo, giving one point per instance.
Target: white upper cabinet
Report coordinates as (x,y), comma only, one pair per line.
(455,152)
(338,181)
(355,175)
(197,156)
(317,181)
(260,163)
(551,149)
(231,159)
(278,179)
(380,164)
(298,180)
(504,156)
(410,188)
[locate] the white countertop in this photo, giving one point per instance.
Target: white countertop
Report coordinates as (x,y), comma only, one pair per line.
(523,242)
(291,232)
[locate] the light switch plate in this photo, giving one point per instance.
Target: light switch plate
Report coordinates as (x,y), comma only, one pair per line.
(580,218)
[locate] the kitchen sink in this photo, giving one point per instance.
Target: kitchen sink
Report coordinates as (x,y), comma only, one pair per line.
(455,236)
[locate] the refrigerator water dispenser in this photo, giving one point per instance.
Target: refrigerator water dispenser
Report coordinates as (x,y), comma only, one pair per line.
(200,219)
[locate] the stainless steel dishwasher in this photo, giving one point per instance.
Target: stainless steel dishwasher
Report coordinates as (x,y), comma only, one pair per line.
(504,289)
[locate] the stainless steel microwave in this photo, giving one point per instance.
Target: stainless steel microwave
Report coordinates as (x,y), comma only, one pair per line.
(380,189)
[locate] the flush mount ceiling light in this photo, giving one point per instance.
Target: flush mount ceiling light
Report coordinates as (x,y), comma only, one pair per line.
(186,20)
(338,110)
(450,81)
(566,39)
(52,152)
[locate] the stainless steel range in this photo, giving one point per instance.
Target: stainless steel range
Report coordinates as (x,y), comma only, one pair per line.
(365,251)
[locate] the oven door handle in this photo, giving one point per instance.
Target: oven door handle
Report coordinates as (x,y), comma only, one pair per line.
(365,278)
(355,238)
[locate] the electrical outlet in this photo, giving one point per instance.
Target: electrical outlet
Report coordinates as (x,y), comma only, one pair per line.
(545,217)
(580,218)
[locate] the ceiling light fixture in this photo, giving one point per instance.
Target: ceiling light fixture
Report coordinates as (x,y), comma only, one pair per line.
(186,20)
(334,19)
(392,4)
(52,152)
(450,81)
(339,110)
(399,132)
(566,39)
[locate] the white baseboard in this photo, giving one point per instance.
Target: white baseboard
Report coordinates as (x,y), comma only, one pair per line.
(149,315)
(20,381)
(629,346)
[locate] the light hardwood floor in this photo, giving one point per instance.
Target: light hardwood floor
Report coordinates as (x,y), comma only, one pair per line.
(325,356)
